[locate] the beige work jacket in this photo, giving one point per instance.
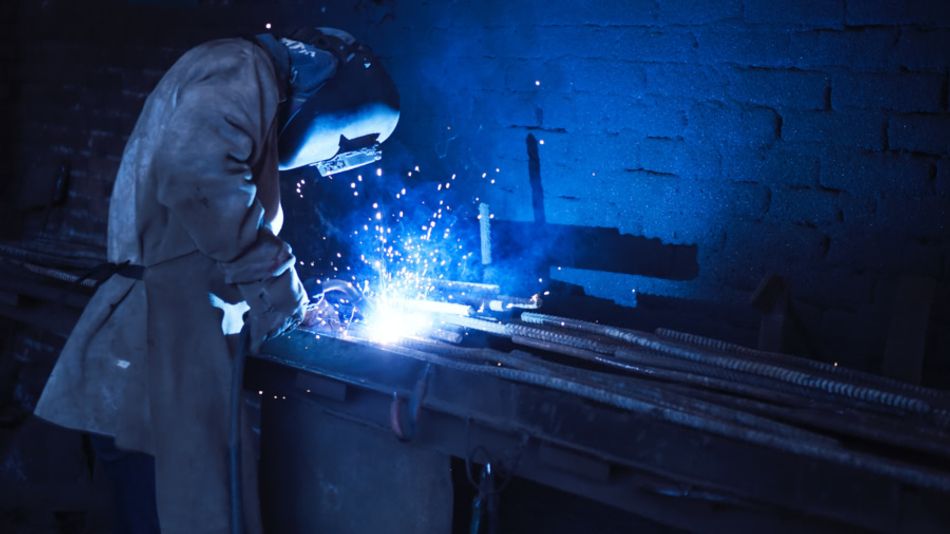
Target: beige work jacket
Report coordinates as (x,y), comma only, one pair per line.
(196,201)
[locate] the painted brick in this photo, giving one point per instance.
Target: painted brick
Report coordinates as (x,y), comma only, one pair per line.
(852,289)
(607,12)
(779,247)
(928,216)
(743,200)
(743,46)
(626,43)
(870,245)
(648,116)
(576,74)
(889,12)
(872,173)
(920,133)
(869,49)
(591,153)
(681,211)
(809,207)
(812,13)
(508,108)
(693,211)
(942,185)
(679,157)
(897,92)
(698,11)
(778,88)
(606,200)
(924,49)
(863,130)
(686,81)
(772,166)
(651,117)
(716,123)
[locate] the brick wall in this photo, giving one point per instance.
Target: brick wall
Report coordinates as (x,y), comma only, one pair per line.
(809,139)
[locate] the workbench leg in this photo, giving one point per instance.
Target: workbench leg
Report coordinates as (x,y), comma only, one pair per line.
(320,473)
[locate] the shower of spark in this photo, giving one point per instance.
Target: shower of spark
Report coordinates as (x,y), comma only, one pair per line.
(407,240)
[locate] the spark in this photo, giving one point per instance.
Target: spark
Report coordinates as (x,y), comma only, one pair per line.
(405,242)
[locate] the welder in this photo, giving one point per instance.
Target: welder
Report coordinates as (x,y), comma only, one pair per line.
(197,276)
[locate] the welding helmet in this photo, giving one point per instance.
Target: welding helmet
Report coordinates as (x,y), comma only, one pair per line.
(338,123)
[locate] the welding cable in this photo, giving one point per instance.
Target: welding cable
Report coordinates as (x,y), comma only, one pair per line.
(798,362)
(236,491)
(800,378)
(907,473)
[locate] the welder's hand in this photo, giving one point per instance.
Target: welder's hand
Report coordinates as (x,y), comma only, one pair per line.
(275,305)
(321,314)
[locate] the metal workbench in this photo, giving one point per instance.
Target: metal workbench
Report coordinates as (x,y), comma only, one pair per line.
(636,462)
(756,442)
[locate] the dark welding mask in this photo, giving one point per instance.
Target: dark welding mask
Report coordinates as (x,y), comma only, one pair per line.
(335,123)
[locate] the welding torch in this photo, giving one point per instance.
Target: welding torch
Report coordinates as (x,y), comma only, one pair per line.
(345,299)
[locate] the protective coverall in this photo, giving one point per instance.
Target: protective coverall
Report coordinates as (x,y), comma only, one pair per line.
(196,202)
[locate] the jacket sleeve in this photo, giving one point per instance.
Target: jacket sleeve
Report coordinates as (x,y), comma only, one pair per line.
(204,160)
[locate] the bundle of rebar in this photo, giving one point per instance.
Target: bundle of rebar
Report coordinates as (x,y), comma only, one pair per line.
(797,405)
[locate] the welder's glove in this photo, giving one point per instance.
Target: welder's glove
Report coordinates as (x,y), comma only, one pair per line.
(322,315)
(270,313)
(267,280)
